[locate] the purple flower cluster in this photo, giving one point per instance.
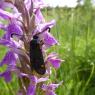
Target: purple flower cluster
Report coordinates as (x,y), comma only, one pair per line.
(24,18)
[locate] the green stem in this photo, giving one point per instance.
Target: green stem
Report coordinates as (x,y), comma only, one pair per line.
(92,71)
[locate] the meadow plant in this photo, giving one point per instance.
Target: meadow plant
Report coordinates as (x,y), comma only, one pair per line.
(24,20)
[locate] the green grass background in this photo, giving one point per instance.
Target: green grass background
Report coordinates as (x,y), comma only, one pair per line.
(75,31)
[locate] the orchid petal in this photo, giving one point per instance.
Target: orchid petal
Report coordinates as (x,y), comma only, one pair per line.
(8,59)
(41,28)
(31,90)
(50,93)
(13,28)
(42,79)
(8,43)
(8,16)
(38,3)
(33,79)
(28,4)
(2,26)
(54,60)
(39,17)
(49,40)
(32,87)
(6,75)
(50,88)
(4,5)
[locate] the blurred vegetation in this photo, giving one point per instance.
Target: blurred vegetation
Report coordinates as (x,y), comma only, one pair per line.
(75,31)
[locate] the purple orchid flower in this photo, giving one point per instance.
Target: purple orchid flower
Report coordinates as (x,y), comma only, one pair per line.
(13,27)
(33,83)
(4,5)
(23,22)
(8,16)
(50,89)
(48,39)
(11,68)
(41,27)
(54,60)
(14,47)
(6,75)
(39,3)
(2,26)
(38,16)
(10,60)
(28,4)
(32,87)
(8,43)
